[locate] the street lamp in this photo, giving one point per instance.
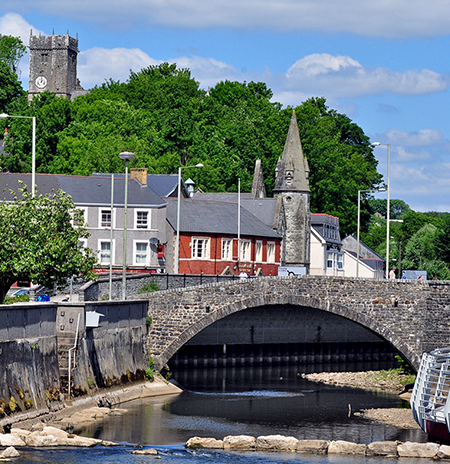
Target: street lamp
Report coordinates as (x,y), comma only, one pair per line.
(388,212)
(33,148)
(382,189)
(126,156)
(177,245)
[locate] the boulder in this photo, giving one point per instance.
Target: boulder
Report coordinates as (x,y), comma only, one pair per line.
(21,433)
(205,443)
(146,452)
(9,452)
(36,439)
(81,442)
(239,442)
(312,446)
(417,450)
(382,448)
(276,443)
(11,440)
(109,443)
(444,452)
(346,447)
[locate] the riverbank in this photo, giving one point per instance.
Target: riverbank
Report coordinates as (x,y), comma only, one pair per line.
(93,407)
(388,381)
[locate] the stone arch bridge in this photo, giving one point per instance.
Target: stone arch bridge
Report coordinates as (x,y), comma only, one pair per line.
(413,316)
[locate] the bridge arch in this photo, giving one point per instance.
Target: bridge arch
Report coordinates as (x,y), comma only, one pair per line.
(212,312)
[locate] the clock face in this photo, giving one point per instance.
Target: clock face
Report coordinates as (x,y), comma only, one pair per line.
(41,82)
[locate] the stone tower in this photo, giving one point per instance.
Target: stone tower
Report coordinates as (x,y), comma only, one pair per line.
(53,65)
(292,188)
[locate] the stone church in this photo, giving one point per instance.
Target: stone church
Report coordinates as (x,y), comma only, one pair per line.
(53,66)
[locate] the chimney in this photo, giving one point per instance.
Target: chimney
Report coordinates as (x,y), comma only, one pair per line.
(140,174)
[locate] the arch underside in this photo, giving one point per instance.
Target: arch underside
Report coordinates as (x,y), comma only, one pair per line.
(361,318)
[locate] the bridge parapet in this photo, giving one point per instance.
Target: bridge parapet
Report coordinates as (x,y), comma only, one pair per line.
(411,315)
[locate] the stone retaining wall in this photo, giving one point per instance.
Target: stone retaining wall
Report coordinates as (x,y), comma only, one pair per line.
(282,443)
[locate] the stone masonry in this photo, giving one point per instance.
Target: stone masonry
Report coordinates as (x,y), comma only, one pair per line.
(412,316)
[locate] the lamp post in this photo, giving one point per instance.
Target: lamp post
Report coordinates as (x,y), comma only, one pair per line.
(359,224)
(33,148)
(388,212)
(177,245)
(126,156)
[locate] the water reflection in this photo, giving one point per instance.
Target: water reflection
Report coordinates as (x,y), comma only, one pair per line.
(254,401)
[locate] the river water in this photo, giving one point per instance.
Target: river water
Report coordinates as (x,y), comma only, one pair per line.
(234,401)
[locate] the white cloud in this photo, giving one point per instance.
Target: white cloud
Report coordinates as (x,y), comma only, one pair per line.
(371,18)
(99,64)
(421,138)
(342,76)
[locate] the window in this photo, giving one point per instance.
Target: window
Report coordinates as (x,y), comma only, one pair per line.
(330,260)
(200,248)
(141,255)
(270,252)
(105,217)
(340,261)
(105,252)
(142,219)
(259,249)
(245,250)
(227,247)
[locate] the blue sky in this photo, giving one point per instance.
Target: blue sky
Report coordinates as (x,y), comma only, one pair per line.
(384,64)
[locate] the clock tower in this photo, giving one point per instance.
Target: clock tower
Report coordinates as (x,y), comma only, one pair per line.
(53,65)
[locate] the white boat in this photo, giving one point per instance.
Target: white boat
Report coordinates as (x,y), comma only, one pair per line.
(429,398)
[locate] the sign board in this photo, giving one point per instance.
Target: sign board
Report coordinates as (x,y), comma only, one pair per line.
(414,275)
(285,271)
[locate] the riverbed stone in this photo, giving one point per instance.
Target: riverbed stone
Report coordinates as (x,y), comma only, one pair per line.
(382,448)
(276,443)
(9,439)
(9,452)
(239,442)
(146,452)
(417,450)
(346,447)
(204,443)
(443,452)
(312,446)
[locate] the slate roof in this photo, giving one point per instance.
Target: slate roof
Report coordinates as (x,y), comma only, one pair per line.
(164,185)
(215,217)
(265,209)
(84,190)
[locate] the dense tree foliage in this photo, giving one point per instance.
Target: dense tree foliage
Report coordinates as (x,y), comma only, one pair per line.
(11,50)
(39,243)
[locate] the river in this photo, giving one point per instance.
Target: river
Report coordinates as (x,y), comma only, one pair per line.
(234,401)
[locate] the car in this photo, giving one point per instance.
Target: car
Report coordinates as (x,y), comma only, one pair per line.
(20,291)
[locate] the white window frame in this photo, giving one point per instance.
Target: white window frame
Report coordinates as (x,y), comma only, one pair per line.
(83,243)
(205,252)
(259,251)
(135,253)
(113,217)
(245,252)
(85,215)
(270,252)
(227,249)
(340,261)
(149,217)
(111,252)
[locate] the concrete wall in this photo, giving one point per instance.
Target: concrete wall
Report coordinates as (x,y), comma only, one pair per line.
(34,344)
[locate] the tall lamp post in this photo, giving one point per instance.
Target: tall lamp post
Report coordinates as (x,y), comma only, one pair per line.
(33,148)
(126,156)
(382,189)
(388,212)
(177,245)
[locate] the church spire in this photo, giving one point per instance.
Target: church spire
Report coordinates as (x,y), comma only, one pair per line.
(292,169)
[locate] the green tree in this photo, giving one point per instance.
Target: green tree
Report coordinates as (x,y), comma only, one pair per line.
(340,159)
(398,208)
(11,51)
(38,241)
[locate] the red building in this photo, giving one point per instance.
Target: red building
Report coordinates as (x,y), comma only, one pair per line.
(209,240)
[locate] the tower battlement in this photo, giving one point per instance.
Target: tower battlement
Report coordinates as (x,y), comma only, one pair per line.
(53,65)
